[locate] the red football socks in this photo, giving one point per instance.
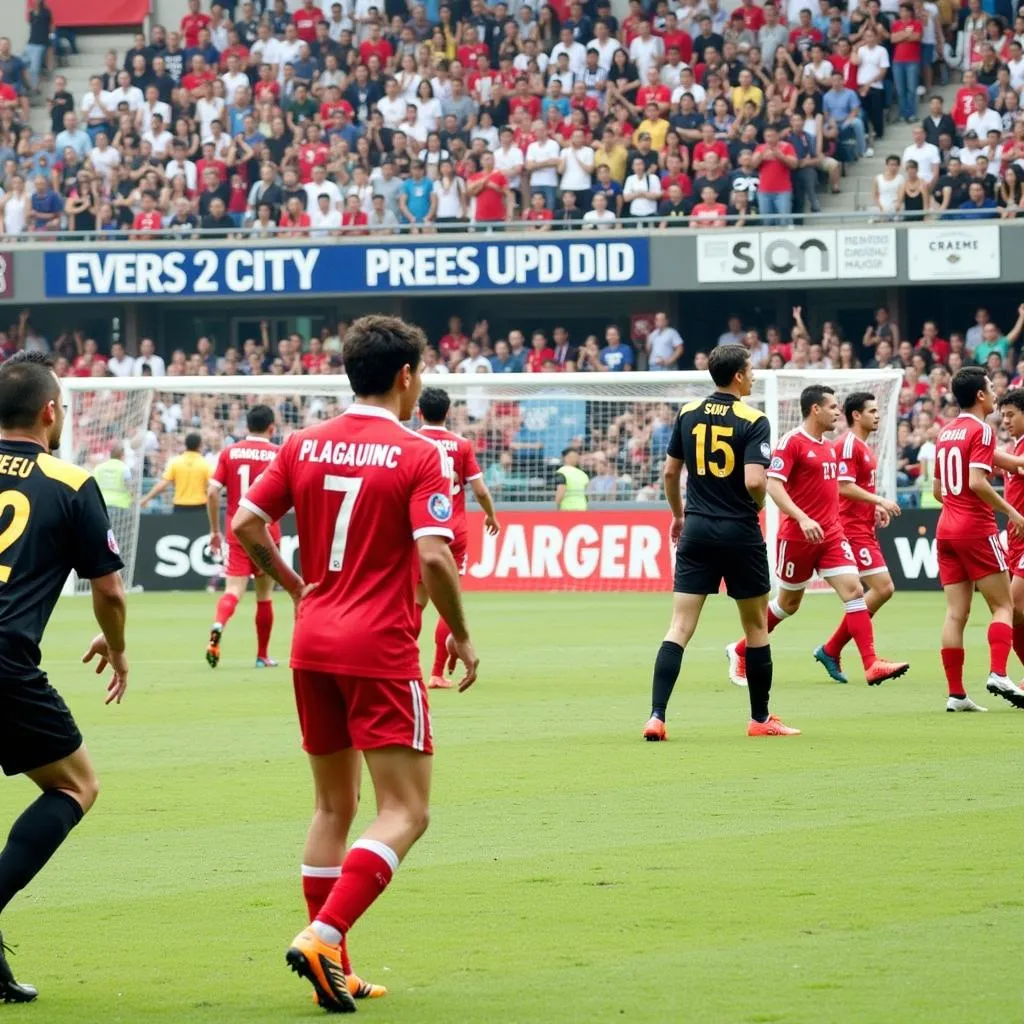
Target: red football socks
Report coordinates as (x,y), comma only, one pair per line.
(316,888)
(1018,642)
(225,608)
(858,623)
(441,634)
(838,640)
(368,868)
(774,618)
(953,666)
(1000,640)
(264,624)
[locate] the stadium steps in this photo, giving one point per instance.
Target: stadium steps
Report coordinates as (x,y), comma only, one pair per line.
(80,67)
(856,185)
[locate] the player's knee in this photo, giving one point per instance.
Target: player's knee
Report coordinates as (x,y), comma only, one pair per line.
(85,790)
(789,600)
(885,589)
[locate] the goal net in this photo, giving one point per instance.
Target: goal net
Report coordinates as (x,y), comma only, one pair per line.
(519,424)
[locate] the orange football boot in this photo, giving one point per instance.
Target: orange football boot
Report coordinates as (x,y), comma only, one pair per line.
(773,727)
(881,670)
(654,730)
(320,964)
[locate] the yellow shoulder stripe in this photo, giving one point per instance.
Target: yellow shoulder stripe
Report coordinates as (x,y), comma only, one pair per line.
(746,412)
(65,472)
(690,406)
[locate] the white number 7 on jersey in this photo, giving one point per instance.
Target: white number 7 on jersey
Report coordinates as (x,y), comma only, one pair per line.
(348,486)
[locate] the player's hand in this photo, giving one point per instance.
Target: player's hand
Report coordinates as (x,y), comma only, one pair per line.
(215,543)
(881,516)
(675,531)
(1017,522)
(492,526)
(116,660)
(811,530)
(304,591)
(462,651)
(891,507)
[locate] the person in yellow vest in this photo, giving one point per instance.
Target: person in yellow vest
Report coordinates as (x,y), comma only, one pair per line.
(188,473)
(114,479)
(571,492)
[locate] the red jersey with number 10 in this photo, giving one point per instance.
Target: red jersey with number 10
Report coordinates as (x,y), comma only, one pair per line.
(239,466)
(964,444)
(810,470)
(857,465)
(364,488)
(463,457)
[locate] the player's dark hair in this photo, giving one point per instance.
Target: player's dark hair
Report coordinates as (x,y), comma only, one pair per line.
(434,405)
(259,418)
(725,361)
(1014,397)
(27,383)
(855,402)
(570,450)
(813,395)
(375,350)
(966,384)
(192,442)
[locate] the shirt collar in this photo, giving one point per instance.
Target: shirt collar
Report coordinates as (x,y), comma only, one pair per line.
(252,438)
(430,426)
(811,437)
(358,409)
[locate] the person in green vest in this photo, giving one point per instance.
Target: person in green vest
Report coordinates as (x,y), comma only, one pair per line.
(571,492)
(114,479)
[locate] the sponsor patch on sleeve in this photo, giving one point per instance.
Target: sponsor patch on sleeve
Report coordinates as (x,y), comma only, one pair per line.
(777,463)
(112,543)
(440,507)
(766,449)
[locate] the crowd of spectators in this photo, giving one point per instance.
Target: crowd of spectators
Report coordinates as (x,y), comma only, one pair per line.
(520,442)
(362,116)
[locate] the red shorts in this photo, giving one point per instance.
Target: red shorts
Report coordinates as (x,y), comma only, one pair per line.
(238,563)
(969,559)
(1015,556)
(867,553)
(796,561)
(339,712)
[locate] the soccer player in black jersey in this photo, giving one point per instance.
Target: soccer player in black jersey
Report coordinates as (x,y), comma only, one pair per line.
(726,448)
(52,521)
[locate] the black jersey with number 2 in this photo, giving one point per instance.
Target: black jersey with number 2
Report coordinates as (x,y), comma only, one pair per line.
(52,519)
(716,437)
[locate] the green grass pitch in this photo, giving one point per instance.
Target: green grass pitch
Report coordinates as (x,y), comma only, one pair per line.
(867,871)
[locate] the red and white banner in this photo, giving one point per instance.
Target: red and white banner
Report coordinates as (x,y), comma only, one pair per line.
(541,550)
(98,13)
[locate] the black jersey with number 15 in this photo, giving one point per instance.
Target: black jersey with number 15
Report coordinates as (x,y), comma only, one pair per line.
(52,520)
(716,437)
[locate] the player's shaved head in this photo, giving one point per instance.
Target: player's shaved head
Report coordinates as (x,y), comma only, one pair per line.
(725,362)
(27,384)
(434,405)
(812,396)
(856,402)
(967,384)
(259,419)
(376,348)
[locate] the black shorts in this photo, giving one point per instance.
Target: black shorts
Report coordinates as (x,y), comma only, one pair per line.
(36,727)
(711,550)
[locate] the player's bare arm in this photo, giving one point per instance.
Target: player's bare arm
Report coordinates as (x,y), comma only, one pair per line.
(110,609)
(486,502)
(253,533)
(1003,459)
(213,514)
(848,489)
(158,488)
(441,578)
(788,507)
(983,489)
(672,480)
(755,479)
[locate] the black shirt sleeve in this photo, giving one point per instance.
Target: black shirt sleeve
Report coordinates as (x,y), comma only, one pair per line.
(95,550)
(675,444)
(758,449)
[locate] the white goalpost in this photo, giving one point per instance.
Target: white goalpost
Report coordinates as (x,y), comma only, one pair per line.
(519,422)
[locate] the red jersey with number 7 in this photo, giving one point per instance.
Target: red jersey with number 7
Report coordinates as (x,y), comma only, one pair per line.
(965,444)
(239,466)
(466,468)
(364,488)
(857,465)
(810,470)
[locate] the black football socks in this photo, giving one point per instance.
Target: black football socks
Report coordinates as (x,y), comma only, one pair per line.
(666,672)
(759,681)
(34,839)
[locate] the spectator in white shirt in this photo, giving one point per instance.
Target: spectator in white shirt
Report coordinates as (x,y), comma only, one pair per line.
(984,119)
(605,44)
(542,158)
(391,105)
(152,107)
(104,158)
(646,50)
(576,166)
(158,137)
(234,78)
(929,162)
(324,217)
(96,105)
(127,93)
(599,216)
(475,361)
(664,345)
(509,159)
(148,357)
(642,190)
(179,165)
(688,85)
(119,364)
(576,52)
(321,186)
(288,48)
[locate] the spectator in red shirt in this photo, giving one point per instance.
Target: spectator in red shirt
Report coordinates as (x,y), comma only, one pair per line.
(192,22)
(472,48)
(375,45)
(266,89)
(709,144)
(540,353)
(775,161)
(675,38)
(306,19)
(963,105)
(453,344)
(939,347)
(312,153)
(906,60)
(538,215)
(708,213)
(200,74)
(801,37)
(753,16)
(148,219)
(90,357)
(675,175)
(353,217)
(493,196)
(296,220)
(524,100)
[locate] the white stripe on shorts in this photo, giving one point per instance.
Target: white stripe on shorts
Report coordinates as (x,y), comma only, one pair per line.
(997,550)
(417,715)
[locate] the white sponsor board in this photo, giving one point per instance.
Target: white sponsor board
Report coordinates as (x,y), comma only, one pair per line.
(953,251)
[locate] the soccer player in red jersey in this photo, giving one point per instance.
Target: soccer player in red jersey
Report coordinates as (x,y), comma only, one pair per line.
(861,511)
(369,497)
(434,405)
(1011,405)
(803,480)
(238,467)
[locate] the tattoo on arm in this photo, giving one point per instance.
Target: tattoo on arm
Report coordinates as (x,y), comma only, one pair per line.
(264,558)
